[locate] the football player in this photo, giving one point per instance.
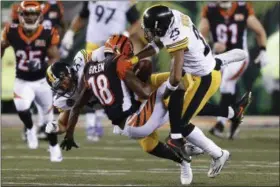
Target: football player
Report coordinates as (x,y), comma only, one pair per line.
(165,27)
(123,99)
(105,18)
(227,22)
(32,43)
(52,13)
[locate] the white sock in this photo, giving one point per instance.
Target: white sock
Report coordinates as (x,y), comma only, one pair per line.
(198,138)
(176,135)
(223,120)
(90,120)
(230,112)
(99,116)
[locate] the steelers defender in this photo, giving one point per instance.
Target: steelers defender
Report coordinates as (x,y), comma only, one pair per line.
(105,18)
(175,31)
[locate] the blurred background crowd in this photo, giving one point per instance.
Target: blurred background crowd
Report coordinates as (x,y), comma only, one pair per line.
(265,80)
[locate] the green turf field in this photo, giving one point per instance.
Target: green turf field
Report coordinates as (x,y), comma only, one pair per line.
(117,161)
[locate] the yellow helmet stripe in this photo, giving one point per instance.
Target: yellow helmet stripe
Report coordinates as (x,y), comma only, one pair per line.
(50,75)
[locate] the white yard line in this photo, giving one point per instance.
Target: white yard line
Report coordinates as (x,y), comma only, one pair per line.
(108,148)
(195,159)
(66,184)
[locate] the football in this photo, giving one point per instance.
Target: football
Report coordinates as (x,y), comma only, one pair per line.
(143,70)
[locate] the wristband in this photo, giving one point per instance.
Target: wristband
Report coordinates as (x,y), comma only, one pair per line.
(170,87)
(134,59)
(262,48)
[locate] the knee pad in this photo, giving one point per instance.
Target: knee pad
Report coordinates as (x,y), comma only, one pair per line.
(150,142)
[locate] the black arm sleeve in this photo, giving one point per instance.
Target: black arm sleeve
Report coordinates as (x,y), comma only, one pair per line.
(84,13)
(132,14)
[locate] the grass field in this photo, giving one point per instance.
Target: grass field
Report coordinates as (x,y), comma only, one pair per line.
(117,161)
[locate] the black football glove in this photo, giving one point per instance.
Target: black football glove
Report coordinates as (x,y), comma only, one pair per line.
(68,143)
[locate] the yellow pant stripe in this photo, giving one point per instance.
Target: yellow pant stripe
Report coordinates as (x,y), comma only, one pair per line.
(149,142)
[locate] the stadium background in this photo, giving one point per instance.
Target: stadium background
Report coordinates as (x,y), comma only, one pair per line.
(266,81)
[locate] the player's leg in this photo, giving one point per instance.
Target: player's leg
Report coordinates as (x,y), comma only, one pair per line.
(40,123)
(23,97)
(153,146)
(230,75)
(44,99)
(203,89)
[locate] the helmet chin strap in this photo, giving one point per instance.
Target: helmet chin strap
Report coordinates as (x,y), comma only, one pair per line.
(30,27)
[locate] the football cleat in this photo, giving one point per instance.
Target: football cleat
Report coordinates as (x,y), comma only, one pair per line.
(186,173)
(41,134)
(32,140)
(55,153)
(239,110)
(217,164)
(178,146)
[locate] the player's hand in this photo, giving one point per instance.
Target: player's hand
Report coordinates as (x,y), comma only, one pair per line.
(33,66)
(219,48)
(262,58)
(68,143)
(68,40)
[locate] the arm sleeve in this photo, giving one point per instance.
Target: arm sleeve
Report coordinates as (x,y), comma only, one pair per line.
(132,14)
(55,37)
(84,13)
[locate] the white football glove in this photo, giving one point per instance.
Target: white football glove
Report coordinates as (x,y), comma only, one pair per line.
(262,58)
(68,40)
(52,127)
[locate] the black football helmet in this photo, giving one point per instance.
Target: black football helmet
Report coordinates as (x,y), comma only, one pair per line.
(62,79)
(156,21)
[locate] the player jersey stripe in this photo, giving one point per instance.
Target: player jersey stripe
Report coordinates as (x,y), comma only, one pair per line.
(84,53)
(33,37)
(183,41)
(126,97)
(51,76)
(182,46)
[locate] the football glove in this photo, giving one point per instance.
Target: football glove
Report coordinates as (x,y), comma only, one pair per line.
(68,40)
(262,58)
(68,143)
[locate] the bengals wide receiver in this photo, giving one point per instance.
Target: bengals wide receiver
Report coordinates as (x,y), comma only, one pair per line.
(32,43)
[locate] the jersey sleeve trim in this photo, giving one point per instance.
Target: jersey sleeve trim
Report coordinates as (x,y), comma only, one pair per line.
(183,44)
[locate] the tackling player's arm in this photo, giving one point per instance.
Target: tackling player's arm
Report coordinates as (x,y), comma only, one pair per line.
(254,24)
(75,111)
(133,16)
(4,40)
(53,52)
(76,25)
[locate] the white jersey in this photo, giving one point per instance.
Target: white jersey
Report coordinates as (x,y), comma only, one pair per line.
(182,34)
(66,103)
(105,19)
